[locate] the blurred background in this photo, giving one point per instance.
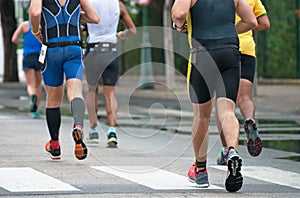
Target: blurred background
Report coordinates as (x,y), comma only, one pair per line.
(277,49)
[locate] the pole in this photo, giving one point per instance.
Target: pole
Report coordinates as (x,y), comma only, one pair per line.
(168,44)
(265,49)
(297,39)
(146,73)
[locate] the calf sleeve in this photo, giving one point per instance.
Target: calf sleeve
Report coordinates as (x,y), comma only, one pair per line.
(78,109)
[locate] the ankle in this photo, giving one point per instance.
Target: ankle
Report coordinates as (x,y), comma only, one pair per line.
(200,170)
(54,144)
(200,166)
(93,125)
(231,148)
(78,126)
(111,130)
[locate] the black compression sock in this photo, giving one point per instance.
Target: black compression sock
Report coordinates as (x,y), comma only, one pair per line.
(53,121)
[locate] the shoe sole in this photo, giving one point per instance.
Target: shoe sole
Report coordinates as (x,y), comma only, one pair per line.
(54,158)
(80,147)
(112,143)
(234,181)
(199,185)
(93,141)
(254,143)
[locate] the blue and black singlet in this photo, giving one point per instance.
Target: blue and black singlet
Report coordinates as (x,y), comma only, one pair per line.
(61,23)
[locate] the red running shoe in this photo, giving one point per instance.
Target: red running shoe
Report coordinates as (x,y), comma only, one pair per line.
(52,147)
(201,178)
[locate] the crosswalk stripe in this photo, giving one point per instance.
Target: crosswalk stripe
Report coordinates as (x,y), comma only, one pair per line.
(269,174)
(151,177)
(25,179)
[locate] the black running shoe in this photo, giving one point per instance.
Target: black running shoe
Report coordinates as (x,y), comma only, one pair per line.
(53,149)
(112,141)
(234,178)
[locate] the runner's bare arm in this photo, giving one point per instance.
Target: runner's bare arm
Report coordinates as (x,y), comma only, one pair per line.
(35,11)
(248,20)
(22,28)
(263,23)
(180,10)
(127,21)
(88,13)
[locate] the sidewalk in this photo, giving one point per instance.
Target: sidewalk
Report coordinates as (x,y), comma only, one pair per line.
(271,99)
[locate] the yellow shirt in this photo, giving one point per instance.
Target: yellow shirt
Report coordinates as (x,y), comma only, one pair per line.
(247,44)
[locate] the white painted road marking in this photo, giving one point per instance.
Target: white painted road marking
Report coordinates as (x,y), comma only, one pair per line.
(25,179)
(151,177)
(269,174)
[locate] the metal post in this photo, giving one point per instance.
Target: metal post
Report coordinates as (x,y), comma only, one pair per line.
(265,49)
(123,67)
(297,39)
(146,73)
(265,57)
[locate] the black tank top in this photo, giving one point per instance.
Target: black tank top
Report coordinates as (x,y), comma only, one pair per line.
(214,20)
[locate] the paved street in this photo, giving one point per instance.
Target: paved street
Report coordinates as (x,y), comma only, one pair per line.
(154,151)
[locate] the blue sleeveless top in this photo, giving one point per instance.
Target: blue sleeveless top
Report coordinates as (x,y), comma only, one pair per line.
(60,23)
(31,44)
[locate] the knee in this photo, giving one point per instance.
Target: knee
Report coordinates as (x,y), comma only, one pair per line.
(53,103)
(92,89)
(202,116)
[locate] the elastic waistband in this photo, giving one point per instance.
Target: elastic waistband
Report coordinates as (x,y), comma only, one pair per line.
(63,44)
(102,45)
(32,54)
(204,48)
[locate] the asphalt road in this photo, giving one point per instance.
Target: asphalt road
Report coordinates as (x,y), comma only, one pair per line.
(154,150)
(148,163)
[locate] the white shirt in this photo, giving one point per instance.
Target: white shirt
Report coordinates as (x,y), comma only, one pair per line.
(106,29)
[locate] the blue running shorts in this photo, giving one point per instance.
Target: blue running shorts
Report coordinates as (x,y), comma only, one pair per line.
(62,62)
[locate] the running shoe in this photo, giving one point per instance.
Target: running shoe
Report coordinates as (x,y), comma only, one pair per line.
(80,147)
(93,136)
(222,157)
(112,141)
(234,178)
(32,104)
(201,178)
(52,147)
(254,143)
(35,115)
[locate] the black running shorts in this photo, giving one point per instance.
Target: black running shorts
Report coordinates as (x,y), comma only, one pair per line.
(31,61)
(247,67)
(214,71)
